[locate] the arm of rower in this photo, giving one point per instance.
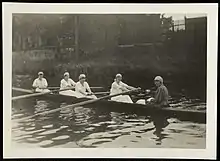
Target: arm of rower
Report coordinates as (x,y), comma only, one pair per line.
(73,84)
(123,88)
(127,87)
(46,84)
(62,85)
(88,88)
(131,88)
(34,85)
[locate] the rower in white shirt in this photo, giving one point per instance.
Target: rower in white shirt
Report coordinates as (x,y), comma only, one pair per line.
(118,87)
(82,88)
(40,84)
(65,83)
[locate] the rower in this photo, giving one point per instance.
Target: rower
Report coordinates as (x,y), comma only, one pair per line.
(40,84)
(82,88)
(118,87)
(65,83)
(161,94)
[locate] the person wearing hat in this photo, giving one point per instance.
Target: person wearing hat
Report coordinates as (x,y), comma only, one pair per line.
(82,88)
(161,94)
(65,83)
(40,84)
(118,87)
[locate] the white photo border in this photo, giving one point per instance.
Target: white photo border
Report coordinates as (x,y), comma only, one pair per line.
(212,34)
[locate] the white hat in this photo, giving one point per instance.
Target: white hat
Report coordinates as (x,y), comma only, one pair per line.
(66,74)
(81,76)
(159,78)
(40,73)
(118,75)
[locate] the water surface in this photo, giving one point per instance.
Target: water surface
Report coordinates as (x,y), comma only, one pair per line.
(91,126)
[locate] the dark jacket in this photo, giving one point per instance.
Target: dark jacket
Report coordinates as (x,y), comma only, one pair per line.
(161,96)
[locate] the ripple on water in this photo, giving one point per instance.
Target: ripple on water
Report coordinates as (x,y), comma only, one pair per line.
(22,133)
(110,122)
(95,135)
(108,135)
(113,126)
(63,127)
(45,142)
(81,123)
(32,139)
(40,137)
(17,115)
(61,137)
(49,132)
(17,128)
(90,129)
(79,132)
(96,125)
(68,145)
(30,128)
(101,135)
(93,142)
(47,126)
(23,137)
(28,121)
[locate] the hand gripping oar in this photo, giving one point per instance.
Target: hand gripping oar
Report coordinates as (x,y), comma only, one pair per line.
(39,94)
(76,105)
(142,94)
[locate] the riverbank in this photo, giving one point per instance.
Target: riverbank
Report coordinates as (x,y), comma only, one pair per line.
(138,69)
(153,62)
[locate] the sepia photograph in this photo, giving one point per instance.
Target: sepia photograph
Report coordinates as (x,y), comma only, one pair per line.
(109,80)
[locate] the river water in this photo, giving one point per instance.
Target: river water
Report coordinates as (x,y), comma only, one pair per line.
(91,126)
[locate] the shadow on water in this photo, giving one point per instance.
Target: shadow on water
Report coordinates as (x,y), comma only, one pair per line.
(160,122)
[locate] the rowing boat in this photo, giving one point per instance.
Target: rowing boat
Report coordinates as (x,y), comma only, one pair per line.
(182,114)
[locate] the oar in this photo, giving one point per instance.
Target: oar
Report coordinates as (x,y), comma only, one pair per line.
(90,87)
(39,94)
(22,90)
(100,93)
(75,105)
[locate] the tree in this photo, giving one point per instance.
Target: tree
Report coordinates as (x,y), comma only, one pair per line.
(167,25)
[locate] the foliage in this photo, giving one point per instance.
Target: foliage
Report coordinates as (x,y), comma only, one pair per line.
(96,32)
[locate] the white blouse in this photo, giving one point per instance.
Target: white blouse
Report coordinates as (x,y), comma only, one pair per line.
(118,88)
(40,83)
(82,88)
(65,84)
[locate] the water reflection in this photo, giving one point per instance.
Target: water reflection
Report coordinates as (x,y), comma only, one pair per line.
(95,127)
(99,126)
(160,122)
